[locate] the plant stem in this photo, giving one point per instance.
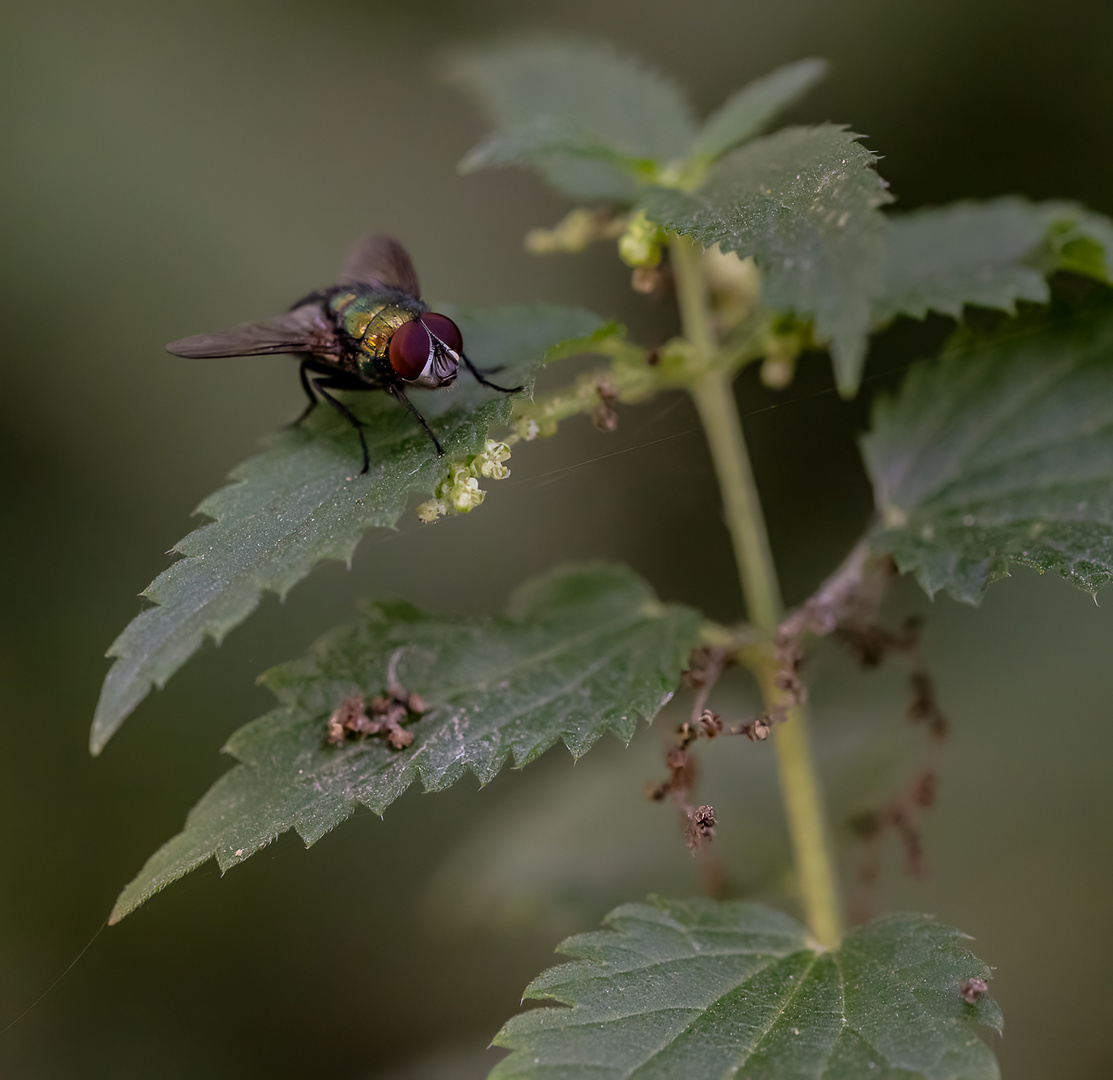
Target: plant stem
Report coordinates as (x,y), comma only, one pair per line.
(714,398)
(807,824)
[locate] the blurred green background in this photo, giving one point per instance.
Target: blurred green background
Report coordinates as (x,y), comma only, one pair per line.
(175,168)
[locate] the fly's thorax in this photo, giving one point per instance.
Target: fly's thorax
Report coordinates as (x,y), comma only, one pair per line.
(371,320)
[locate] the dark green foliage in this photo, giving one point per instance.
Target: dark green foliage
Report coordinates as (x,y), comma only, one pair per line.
(704,989)
(750,110)
(990,254)
(583,116)
(302,500)
(1002,452)
(806,203)
(595,125)
(1082,242)
(580,652)
(967,253)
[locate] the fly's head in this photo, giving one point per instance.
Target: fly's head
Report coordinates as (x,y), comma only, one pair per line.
(426,351)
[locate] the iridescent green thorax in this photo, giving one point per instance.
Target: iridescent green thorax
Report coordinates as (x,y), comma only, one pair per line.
(371,318)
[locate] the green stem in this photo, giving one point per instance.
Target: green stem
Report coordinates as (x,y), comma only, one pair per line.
(714,398)
(807,823)
(691,295)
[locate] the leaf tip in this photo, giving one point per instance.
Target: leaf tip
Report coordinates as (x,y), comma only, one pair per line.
(848,377)
(471,162)
(123,907)
(107,718)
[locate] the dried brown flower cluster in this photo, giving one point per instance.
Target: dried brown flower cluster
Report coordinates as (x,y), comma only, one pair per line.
(705,666)
(605,415)
(846,607)
(387,713)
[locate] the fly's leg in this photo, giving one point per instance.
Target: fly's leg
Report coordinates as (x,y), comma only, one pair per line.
(308,393)
(398,392)
(479,378)
(321,386)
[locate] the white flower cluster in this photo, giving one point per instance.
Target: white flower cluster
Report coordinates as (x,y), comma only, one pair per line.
(459,491)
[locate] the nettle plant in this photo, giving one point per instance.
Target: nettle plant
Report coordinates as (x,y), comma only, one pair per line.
(998,451)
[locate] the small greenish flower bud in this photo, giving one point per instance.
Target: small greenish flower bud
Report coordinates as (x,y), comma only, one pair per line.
(777,371)
(671,174)
(784,342)
(528,428)
(533,427)
(428,512)
(459,491)
(640,244)
(464,493)
(573,233)
(677,354)
(490,462)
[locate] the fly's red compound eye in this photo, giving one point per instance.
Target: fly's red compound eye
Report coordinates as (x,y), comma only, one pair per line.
(409,350)
(445,329)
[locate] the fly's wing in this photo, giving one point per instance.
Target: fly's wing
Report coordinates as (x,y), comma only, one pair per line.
(380,261)
(302,330)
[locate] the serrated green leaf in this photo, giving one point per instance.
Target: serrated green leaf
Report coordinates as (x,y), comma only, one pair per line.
(941,259)
(1082,242)
(580,652)
(991,254)
(302,500)
(561,106)
(1002,452)
(805,203)
(748,111)
(534,143)
(703,989)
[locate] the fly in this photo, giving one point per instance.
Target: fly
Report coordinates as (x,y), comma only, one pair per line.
(371,331)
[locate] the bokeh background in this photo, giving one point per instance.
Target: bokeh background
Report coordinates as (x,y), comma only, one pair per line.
(174,168)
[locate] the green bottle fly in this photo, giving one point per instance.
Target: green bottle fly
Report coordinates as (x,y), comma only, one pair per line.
(369,332)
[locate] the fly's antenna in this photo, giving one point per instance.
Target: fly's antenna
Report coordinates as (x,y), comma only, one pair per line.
(437,341)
